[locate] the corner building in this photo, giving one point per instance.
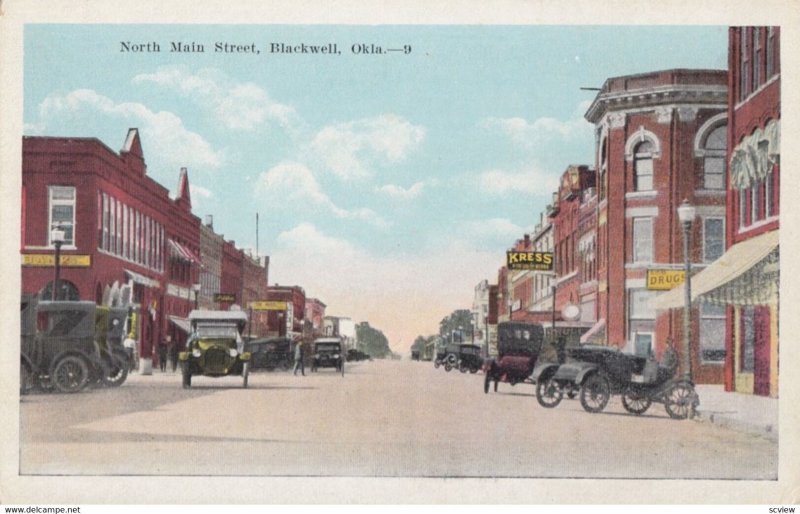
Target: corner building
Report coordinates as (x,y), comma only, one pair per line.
(661,138)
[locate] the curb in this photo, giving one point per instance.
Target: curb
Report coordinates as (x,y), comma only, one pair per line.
(766,430)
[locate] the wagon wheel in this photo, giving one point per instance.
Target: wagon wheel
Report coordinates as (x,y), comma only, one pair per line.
(595,393)
(70,374)
(548,393)
(635,400)
(116,372)
(245,374)
(680,401)
(186,375)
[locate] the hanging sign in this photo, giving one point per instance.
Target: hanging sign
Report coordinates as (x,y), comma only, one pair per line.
(537,261)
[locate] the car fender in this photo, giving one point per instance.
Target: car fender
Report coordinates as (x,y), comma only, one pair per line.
(76,353)
(544,369)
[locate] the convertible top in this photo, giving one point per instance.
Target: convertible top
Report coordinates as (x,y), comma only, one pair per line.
(206,315)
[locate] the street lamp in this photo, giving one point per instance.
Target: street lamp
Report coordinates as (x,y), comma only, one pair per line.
(57,237)
(686,215)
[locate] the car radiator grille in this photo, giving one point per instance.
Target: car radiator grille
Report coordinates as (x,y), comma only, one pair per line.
(216,360)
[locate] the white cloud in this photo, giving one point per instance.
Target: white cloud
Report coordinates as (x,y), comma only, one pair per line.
(292,184)
(494,228)
(168,141)
(392,292)
(239,106)
(401,193)
(200,192)
(532,181)
(543,130)
(350,150)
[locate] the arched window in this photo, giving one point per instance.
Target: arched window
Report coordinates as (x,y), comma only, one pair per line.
(714,158)
(643,167)
(66,291)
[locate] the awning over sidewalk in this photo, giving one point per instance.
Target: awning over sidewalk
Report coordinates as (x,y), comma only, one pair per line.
(181,323)
(180,251)
(747,274)
(141,279)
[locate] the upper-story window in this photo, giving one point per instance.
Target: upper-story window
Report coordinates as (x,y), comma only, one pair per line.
(744,64)
(62,213)
(715,158)
(771,68)
(756,57)
(601,186)
(713,238)
(643,167)
(642,240)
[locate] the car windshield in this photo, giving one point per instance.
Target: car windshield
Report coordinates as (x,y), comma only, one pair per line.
(327,347)
(217,330)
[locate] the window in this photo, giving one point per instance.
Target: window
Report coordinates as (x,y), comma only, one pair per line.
(744,64)
(62,212)
(603,168)
(643,167)
(713,238)
(712,333)
(642,240)
(714,158)
(756,57)
(756,204)
(770,52)
(742,208)
(641,319)
(748,335)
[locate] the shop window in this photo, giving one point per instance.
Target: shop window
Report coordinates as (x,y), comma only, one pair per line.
(62,213)
(712,333)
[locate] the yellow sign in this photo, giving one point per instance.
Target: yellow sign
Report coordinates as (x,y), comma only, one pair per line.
(662,279)
(49,260)
(539,261)
(268,306)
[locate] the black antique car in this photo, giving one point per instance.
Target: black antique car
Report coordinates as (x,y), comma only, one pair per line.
(270,353)
(357,355)
(601,371)
(66,345)
(519,345)
(447,356)
(215,347)
(328,353)
(469,358)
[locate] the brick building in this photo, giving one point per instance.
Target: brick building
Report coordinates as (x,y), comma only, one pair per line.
(126,240)
(289,320)
(661,139)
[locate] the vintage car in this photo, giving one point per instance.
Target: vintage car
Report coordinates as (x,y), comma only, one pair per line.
(270,353)
(519,345)
(66,345)
(601,371)
(447,356)
(215,347)
(328,353)
(357,355)
(469,358)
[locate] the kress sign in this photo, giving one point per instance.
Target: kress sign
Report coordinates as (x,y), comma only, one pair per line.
(537,261)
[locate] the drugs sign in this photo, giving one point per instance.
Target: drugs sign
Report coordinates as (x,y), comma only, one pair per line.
(662,280)
(537,261)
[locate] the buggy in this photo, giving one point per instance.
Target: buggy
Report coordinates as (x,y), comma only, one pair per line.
(519,345)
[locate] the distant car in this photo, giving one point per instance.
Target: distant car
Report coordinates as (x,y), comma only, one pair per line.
(270,353)
(215,347)
(357,355)
(328,353)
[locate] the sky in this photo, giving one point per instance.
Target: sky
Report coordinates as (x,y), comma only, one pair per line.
(388,185)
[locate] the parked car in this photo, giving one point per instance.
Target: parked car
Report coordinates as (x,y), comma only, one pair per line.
(519,345)
(328,353)
(270,353)
(469,358)
(447,356)
(215,347)
(357,355)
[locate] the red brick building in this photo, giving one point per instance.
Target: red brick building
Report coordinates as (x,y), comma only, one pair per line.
(314,317)
(289,321)
(126,240)
(661,139)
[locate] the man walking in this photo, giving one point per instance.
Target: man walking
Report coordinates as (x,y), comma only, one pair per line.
(298,358)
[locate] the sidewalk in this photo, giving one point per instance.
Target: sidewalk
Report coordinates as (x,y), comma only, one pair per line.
(741,412)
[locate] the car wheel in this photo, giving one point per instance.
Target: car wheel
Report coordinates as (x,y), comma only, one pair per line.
(186,375)
(595,393)
(116,372)
(635,400)
(70,374)
(548,393)
(448,366)
(473,370)
(680,401)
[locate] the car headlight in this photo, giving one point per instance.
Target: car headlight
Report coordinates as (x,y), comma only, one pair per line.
(232,352)
(197,353)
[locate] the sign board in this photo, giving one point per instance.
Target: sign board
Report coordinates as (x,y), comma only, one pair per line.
(663,280)
(265,305)
(537,261)
(49,260)
(224,297)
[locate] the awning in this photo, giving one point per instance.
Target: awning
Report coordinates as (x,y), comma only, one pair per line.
(596,329)
(181,323)
(747,274)
(141,279)
(754,157)
(180,251)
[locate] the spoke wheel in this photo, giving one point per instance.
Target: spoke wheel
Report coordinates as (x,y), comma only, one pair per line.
(595,393)
(548,393)
(71,374)
(680,401)
(116,372)
(635,401)
(448,366)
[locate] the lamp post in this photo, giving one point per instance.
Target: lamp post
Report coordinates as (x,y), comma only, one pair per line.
(686,215)
(57,236)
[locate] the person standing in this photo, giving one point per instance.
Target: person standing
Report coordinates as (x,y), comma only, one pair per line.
(298,358)
(130,351)
(173,355)
(162,353)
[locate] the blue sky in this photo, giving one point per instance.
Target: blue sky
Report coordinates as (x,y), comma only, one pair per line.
(387,185)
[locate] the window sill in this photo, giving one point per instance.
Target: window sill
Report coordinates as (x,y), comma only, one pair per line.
(641,194)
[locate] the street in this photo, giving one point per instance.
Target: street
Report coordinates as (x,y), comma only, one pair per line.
(383,418)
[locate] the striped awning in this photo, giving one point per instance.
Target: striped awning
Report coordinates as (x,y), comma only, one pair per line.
(143,280)
(747,274)
(181,323)
(180,251)
(755,156)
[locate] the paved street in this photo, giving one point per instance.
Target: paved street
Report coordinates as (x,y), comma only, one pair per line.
(384,418)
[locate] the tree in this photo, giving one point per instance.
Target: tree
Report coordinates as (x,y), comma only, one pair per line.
(372,341)
(460,321)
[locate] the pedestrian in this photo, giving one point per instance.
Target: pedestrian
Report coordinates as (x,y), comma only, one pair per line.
(173,355)
(298,358)
(130,351)
(162,353)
